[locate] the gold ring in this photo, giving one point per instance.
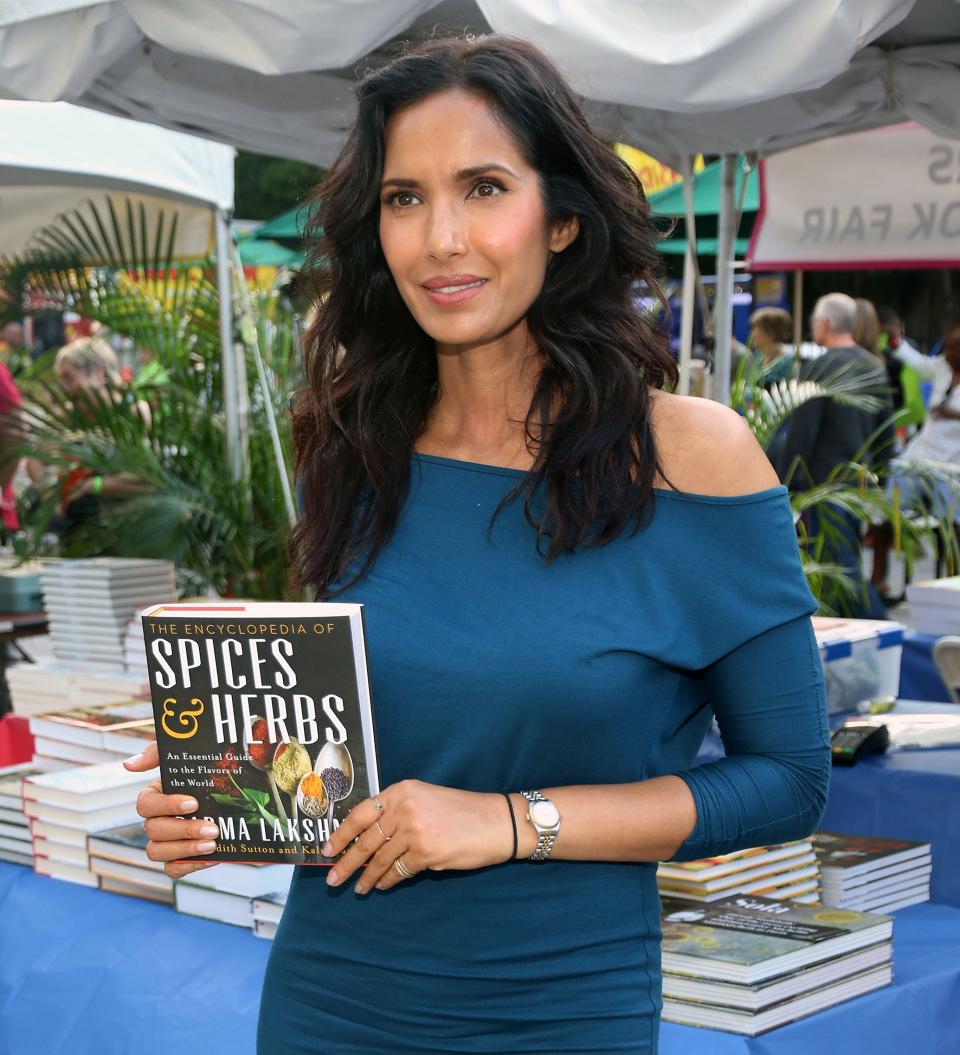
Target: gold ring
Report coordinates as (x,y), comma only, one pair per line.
(403,870)
(382,832)
(378,804)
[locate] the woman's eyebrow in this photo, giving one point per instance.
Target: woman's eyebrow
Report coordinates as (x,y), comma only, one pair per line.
(460,177)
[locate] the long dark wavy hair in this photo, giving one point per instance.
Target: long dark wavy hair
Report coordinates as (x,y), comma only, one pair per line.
(371,371)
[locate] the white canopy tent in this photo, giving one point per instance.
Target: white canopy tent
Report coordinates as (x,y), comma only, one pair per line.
(715,76)
(54,157)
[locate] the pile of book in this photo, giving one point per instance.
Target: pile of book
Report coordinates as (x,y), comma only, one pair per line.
(935,606)
(747,965)
(118,858)
(782,871)
(39,687)
(88,735)
(227,893)
(267,911)
(16,845)
(872,874)
(67,805)
(90,604)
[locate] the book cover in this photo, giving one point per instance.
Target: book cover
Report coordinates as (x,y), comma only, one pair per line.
(853,855)
(263,714)
(748,938)
(706,868)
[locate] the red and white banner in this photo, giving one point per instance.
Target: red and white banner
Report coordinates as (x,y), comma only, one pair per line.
(885,198)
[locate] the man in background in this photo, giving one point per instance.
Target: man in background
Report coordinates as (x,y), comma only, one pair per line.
(822,434)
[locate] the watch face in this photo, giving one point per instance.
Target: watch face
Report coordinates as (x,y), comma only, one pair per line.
(545,814)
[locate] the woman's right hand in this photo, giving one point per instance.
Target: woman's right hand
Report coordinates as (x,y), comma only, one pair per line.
(172,835)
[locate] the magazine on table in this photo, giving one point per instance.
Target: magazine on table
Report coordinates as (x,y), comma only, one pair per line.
(263,715)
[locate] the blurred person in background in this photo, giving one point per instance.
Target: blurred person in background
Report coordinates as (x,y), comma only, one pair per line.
(88,372)
(866,328)
(823,434)
(771,331)
(936,444)
(899,355)
(13,348)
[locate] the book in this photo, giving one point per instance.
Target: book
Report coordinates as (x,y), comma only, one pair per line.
(752,1024)
(263,928)
(88,725)
(748,939)
(70,873)
(722,884)
(11,784)
(126,889)
(146,878)
(210,895)
(85,788)
(871,873)
(270,907)
(123,843)
(81,820)
(57,833)
(71,754)
(73,855)
(780,987)
(707,868)
(263,714)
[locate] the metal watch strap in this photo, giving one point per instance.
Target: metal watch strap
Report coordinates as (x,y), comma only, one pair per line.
(545,838)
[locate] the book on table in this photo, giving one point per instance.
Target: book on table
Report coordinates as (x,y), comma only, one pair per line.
(263,714)
(750,964)
(871,873)
(91,727)
(749,939)
(786,871)
(209,895)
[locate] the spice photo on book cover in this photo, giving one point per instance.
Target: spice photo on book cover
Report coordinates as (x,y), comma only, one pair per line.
(263,715)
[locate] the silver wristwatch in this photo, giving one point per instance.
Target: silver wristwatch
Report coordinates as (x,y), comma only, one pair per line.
(545,817)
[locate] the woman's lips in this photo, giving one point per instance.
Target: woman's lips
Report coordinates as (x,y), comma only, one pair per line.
(458,295)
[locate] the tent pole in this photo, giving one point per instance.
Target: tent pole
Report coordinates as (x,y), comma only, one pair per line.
(723,302)
(797,311)
(234,409)
(689,279)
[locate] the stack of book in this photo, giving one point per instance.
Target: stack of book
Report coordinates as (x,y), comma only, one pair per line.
(935,606)
(783,871)
(226,893)
(90,604)
(39,687)
(15,842)
(85,735)
(872,874)
(67,805)
(118,858)
(747,965)
(267,911)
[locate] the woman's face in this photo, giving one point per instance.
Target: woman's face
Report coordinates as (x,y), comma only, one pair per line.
(75,380)
(462,221)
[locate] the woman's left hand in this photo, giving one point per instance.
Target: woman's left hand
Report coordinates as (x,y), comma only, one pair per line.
(424,827)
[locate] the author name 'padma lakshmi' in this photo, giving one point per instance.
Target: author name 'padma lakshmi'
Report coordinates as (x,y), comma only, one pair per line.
(303,830)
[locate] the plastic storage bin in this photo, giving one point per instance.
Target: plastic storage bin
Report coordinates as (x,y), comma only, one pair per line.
(861,658)
(20,589)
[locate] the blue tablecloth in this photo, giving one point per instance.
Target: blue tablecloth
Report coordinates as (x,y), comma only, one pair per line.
(919,679)
(88,973)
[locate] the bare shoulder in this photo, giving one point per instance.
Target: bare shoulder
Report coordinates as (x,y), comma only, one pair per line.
(706,448)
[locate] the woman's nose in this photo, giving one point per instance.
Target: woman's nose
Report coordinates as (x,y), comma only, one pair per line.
(446,233)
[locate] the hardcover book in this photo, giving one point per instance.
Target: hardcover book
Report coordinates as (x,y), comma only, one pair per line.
(748,939)
(263,714)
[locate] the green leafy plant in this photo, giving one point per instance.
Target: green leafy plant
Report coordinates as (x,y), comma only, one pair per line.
(223,534)
(853,488)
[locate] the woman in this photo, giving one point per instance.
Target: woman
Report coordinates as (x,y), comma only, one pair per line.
(88,372)
(771,330)
(866,328)
(566,573)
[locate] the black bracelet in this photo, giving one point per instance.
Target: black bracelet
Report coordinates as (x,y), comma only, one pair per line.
(513,821)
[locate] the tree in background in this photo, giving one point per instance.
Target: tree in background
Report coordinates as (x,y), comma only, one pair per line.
(267,186)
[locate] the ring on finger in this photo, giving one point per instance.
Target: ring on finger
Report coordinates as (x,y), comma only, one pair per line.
(402,869)
(386,837)
(378,804)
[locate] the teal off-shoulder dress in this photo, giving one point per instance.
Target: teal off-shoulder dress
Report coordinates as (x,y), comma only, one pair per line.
(493,670)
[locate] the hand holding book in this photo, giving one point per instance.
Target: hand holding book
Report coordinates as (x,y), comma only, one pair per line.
(422,826)
(172,835)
